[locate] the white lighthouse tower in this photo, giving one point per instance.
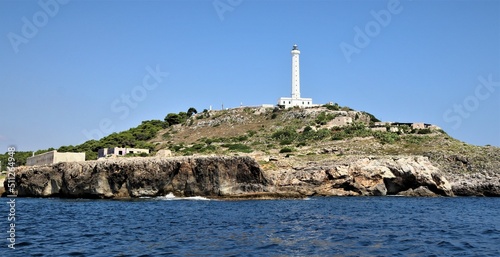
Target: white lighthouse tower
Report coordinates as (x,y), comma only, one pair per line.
(295,100)
(295,73)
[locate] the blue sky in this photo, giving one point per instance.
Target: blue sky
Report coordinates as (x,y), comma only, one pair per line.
(75,70)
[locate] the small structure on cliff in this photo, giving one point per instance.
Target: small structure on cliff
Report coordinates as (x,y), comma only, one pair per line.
(54,157)
(398,126)
(119,151)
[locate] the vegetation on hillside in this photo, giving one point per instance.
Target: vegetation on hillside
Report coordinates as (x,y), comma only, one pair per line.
(274,131)
(137,137)
(20,159)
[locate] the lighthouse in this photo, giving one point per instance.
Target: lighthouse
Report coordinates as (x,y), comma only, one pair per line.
(295,72)
(295,99)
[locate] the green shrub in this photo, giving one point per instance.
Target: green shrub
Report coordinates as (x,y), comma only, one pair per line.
(198,146)
(424,131)
(411,139)
(136,155)
(339,135)
(334,107)
(210,148)
(323,118)
(307,129)
(301,144)
(238,148)
(176,148)
(209,141)
(288,134)
(286,142)
(357,129)
(386,137)
(240,138)
(321,134)
(286,150)
(251,133)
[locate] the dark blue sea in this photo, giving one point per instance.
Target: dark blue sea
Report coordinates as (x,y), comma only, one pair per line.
(318,226)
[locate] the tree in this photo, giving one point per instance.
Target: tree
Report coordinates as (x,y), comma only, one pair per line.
(45,151)
(183,116)
(90,155)
(64,149)
(191,111)
(172,119)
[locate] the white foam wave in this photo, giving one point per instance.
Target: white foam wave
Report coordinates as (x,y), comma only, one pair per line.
(172,197)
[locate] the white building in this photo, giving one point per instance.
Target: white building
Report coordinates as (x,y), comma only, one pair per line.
(54,157)
(119,151)
(295,100)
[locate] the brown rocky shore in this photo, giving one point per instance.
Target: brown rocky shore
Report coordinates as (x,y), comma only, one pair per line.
(243,177)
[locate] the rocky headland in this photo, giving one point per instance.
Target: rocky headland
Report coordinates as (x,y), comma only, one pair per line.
(243,177)
(257,152)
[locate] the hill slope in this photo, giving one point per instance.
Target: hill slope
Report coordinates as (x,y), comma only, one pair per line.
(310,135)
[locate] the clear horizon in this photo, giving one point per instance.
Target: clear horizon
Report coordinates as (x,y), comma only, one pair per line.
(77,70)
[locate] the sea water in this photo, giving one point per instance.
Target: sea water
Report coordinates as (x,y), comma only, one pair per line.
(317,226)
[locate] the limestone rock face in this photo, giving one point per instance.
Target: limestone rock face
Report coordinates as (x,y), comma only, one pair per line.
(420,191)
(362,176)
(164,153)
(476,184)
(234,177)
(136,177)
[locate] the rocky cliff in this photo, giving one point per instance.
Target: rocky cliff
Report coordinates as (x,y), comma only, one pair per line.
(136,177)
(232,177)
(412,176)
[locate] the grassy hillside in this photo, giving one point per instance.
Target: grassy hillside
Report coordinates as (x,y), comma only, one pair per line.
(307,135)
(303,131)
